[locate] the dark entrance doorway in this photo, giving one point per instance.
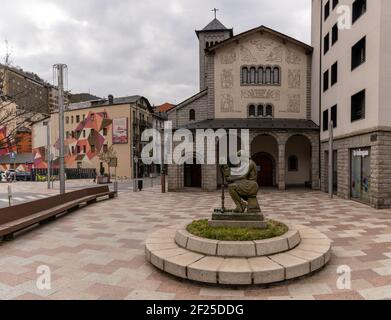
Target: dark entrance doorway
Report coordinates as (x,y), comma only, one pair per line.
(265,166)
(193,175)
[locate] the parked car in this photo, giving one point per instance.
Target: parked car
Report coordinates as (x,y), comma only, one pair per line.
(23,176)
(2,176)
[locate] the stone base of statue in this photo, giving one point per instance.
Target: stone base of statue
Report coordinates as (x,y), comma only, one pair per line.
(223,218)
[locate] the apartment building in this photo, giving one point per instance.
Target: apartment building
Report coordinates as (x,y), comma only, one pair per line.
(351,75)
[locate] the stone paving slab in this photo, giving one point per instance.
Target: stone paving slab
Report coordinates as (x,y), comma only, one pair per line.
(70,244)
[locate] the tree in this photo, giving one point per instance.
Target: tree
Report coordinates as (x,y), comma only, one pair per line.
(107,155)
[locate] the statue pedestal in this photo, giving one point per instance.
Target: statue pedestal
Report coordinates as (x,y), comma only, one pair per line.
(238,220)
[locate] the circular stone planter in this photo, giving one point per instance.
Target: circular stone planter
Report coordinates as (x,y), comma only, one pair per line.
(168,250)
(238,249)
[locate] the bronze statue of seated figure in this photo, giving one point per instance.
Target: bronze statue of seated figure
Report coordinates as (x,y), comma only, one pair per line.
(243,188)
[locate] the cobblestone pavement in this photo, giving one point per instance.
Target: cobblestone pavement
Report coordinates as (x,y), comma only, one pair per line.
(98,251)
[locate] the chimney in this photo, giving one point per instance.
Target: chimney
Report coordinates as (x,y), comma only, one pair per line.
(111,99)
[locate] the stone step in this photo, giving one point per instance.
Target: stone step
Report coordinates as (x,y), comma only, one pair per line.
(312,254)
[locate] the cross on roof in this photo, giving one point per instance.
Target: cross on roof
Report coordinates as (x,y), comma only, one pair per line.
(215,11)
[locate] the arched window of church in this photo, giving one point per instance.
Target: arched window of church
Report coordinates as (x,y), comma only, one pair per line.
(276,75)
(268,75)
(269,111)
(293,163)
(260,75)
(245,75)
(251,111)
(253,75)
(260,110)
(192,115)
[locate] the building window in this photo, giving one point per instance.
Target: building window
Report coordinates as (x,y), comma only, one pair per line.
(334,73)
(251,111)
(334,34)
(105,132)
(335,3)
(359,53)
(276,75)
(84,133)
(334,116)
(261,80)
(253,73)
(326,43)
(92,148)
(77,119)
(105,148)
(192,115)
(72,119)
(327,10)
(245,75)
(358,106)
(67,120)
(260,110)
(92,117)
(84,117)
(359,8)
(73,134)
(326,120)
(268,75)
(293,164)
(269,111)
(105,115)
(78,150)
(326,81)
(84,149)
(73,150)
(78,133)
(67,135)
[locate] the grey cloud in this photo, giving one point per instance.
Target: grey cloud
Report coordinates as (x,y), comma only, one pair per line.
(129,47)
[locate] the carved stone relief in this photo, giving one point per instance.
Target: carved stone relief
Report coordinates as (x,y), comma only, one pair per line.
(262,45)
(275,54)
(227,103)
(228,57)
(292,57)
(246,55)
(294,79)
(270,94)
(227,79)
(293,103)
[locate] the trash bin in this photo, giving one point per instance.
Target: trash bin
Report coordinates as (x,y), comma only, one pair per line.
(140,184)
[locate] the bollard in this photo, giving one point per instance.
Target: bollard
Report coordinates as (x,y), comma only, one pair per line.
(116,188)
(9,195)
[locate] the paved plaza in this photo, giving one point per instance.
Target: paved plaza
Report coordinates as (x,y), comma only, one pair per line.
(98,252)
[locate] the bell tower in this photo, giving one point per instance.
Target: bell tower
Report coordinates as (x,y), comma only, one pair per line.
(211,35)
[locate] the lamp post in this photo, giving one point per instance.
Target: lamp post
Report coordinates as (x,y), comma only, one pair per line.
(60,68)
(48,154)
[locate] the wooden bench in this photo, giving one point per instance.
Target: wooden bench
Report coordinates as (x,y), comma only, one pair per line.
(25,215)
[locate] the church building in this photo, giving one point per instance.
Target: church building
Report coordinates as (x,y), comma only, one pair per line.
(258,80)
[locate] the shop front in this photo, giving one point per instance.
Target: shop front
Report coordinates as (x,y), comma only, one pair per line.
(360,174)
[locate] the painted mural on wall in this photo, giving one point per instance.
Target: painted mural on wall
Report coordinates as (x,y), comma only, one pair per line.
(86,143)
(120,131)
(5,145)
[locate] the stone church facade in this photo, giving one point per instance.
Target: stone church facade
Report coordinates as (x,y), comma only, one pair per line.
(258,80)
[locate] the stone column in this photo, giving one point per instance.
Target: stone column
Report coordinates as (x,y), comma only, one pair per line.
(315,164)
(281,166)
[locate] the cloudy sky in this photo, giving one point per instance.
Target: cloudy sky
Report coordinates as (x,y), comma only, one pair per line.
(127,47)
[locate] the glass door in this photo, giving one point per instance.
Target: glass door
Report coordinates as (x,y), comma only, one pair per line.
(360,175)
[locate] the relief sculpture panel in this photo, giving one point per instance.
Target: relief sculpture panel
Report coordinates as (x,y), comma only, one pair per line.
(294,79)
(262,44)
(228,57)
(227,79)
(275,54)
(293,103)
(270,94)
(292,57)
(246,55)
(227,103)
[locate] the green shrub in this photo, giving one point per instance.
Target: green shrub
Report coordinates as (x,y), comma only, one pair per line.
(202,229)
